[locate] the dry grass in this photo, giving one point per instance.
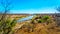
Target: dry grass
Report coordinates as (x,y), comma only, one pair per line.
(39,29)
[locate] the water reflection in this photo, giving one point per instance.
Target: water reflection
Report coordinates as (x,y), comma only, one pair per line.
(25,19)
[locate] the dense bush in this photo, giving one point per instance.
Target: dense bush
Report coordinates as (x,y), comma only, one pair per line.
(41,19)
(6,26)
(46,17)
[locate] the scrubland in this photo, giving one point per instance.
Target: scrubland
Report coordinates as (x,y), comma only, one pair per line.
(38,25)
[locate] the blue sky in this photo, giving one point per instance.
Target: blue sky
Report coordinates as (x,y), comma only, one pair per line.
(34,6)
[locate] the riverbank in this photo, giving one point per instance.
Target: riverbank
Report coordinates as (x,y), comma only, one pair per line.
(38,25)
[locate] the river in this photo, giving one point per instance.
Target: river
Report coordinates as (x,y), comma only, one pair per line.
(25,19)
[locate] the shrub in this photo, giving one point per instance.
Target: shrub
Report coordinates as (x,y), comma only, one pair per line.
(46,17)
(6,26)
(40,21)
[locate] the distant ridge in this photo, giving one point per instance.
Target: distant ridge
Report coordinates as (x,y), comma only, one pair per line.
(27,13)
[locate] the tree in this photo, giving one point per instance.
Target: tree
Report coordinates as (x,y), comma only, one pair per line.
(6,6)
(6,23)
(58,9)
(57,16)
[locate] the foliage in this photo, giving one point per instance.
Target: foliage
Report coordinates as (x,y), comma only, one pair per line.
(7,25)
(41,19)
(46,17)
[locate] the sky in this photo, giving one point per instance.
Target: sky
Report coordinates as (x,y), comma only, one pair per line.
(33,6)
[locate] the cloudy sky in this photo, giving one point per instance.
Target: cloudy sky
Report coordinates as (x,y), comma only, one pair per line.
(33,6)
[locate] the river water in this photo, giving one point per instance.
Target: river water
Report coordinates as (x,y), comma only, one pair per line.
(25,19)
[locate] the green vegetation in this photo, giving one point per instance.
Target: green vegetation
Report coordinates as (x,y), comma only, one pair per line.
(41,19)
(46,17)
(39,25)
(6,26)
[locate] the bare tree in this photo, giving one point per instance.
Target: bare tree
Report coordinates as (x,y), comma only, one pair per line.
(57,16)
(6,23)
(58,9)
(6,6)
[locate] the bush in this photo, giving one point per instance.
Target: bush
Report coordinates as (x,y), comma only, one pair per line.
(46,17)
(7,25)
(40,21)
